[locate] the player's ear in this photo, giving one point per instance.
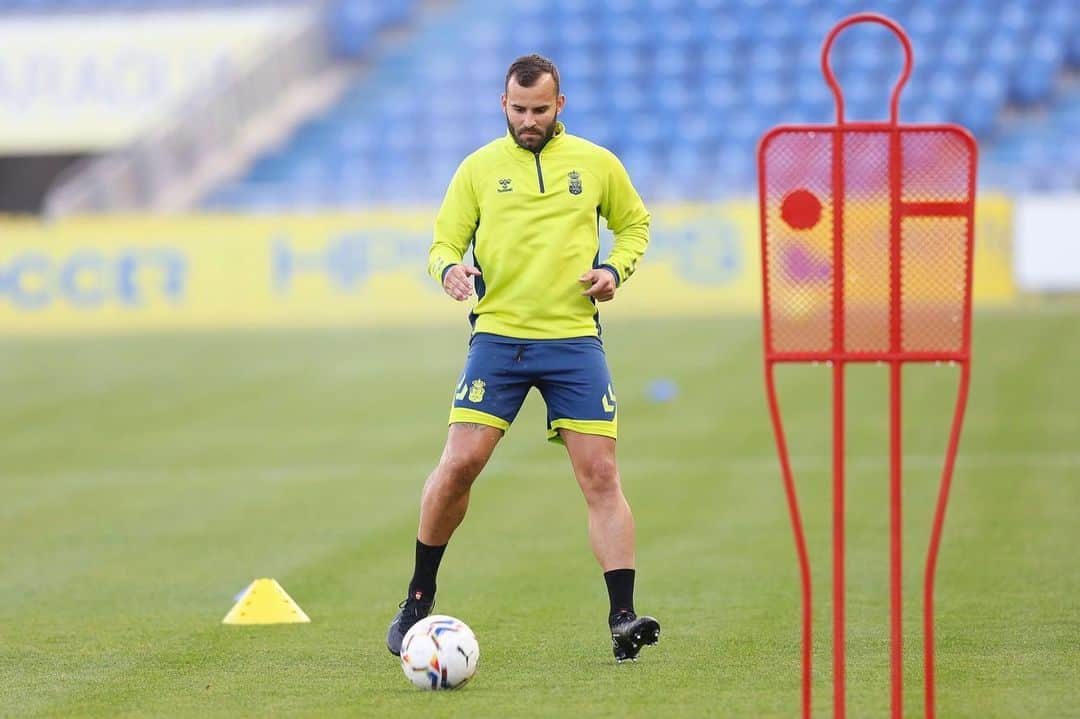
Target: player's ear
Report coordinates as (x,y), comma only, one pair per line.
(502,101)
(560,103)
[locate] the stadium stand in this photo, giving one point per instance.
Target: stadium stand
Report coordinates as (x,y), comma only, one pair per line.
(679,90)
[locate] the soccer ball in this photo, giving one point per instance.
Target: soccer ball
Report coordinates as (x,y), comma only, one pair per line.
(439,652)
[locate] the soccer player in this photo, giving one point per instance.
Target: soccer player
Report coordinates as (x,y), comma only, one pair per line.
(530,205)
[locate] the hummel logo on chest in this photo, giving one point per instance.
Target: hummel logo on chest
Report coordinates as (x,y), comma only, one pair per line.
(504,185)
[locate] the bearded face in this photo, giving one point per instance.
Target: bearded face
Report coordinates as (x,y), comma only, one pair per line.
(532,112)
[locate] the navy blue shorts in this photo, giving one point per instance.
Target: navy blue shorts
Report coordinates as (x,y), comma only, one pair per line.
(572,376)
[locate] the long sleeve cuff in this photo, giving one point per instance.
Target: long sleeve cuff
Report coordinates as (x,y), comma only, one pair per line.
(613,271)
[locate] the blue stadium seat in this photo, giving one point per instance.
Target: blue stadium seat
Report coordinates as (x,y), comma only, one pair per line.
(719,95)
(352,27)
(718,60)
(696,130)
(1016,16)
(483,35)
(624,63)
(1034,81)
(672,61)
(580,66)
(768,95)
(721,33)
(971,22)
(673,96)
(625,98)
(628,32)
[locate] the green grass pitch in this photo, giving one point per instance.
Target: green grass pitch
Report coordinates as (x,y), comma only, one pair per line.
(146,480)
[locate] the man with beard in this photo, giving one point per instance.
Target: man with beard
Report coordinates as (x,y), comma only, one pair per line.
(529,205)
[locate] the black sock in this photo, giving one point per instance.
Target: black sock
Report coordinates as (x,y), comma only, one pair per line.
(422,585)
(620,587)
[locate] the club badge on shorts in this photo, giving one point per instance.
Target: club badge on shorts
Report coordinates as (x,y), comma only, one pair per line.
(476,391)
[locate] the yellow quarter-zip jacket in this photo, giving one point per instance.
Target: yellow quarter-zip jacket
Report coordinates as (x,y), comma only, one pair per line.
(533,222)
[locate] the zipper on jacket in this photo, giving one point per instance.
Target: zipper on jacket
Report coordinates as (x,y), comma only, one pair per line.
(539,171)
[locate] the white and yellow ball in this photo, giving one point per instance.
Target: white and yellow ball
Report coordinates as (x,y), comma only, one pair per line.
(439,652)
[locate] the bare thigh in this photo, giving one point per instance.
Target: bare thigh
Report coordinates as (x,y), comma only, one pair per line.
(469,445)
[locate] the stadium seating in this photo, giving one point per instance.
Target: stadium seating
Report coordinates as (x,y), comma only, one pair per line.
(680,90)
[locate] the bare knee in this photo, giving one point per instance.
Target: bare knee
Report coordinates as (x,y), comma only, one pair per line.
(600,479)
(457,470)
(468,447)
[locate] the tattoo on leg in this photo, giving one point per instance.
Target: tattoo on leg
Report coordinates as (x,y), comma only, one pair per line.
(472,426)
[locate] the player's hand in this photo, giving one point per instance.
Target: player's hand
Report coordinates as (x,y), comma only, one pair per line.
(600,284)
(457,282)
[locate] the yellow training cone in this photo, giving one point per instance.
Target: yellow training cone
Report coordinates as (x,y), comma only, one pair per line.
(265,602)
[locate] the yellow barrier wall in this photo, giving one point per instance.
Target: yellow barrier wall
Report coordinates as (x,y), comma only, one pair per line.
(217,271)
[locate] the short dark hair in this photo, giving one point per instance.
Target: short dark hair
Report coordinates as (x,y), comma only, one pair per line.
(530,68)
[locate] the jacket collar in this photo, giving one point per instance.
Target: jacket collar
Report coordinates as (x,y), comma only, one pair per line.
(560,130)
